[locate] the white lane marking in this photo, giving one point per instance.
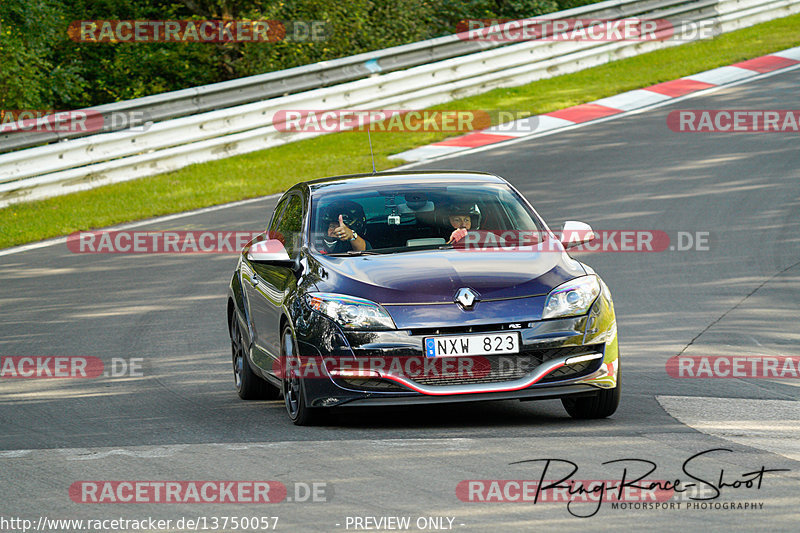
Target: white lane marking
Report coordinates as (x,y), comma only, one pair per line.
(771,425)
(169,450)
(456,443)
(137,224)
(15,453)
(88,454)
(671,101)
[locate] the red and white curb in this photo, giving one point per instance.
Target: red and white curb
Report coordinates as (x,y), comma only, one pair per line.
(606,107)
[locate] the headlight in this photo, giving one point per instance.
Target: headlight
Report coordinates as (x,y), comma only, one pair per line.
(350,312)
(572,298)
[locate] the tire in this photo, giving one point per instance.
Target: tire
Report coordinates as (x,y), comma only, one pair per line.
(601,405)
(248,385)
(293,390)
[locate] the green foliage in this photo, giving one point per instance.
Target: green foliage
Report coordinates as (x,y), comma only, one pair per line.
(30,75)
(43,68)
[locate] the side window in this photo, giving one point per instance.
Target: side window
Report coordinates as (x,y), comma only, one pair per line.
(290,225)
(276,215)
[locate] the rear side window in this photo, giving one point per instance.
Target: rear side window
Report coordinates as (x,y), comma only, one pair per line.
(289,225)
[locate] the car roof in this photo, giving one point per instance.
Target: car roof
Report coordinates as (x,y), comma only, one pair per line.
(405,177)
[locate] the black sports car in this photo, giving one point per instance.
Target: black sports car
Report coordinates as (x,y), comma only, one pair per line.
(412,287)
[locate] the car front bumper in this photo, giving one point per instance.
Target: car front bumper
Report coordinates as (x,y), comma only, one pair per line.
(558,357)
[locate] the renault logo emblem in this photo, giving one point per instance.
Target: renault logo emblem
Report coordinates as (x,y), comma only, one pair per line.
(466,298)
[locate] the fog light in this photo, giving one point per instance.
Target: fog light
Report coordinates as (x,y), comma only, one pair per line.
(354,373)
(582,358)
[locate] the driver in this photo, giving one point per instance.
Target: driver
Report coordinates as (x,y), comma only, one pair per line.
(345,224)
(460,218)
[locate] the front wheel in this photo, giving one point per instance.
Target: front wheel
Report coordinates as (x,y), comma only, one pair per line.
(293,390)
(601,405)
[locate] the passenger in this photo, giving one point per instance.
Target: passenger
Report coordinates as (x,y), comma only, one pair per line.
(345,224)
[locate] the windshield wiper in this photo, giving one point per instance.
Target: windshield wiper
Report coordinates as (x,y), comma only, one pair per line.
(351,253)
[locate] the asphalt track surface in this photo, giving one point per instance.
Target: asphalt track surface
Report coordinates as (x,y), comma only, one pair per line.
(181,420)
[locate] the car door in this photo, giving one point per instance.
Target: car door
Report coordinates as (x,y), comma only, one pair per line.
(270,284)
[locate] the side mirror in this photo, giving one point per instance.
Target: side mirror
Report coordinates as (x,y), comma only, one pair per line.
(575,233)
(270,252)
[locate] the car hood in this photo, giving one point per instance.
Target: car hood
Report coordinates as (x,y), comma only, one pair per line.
(436,275)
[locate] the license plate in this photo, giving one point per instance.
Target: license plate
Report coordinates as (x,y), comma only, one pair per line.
(480,344)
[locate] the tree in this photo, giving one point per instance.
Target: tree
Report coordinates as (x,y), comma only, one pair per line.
(31,77)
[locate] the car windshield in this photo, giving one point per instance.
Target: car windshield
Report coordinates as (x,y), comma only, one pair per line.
(414,217)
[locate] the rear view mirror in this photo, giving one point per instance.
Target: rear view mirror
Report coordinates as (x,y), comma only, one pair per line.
(576,233)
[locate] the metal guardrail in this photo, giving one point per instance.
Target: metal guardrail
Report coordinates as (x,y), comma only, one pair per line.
(195,100)
(87,162)
(226,94)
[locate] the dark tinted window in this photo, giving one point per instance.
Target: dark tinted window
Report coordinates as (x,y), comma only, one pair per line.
(290,224)
(407,217)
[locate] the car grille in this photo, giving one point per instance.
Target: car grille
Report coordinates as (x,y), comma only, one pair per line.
(498,369)
(572,371)
(458,330)
(471,370)
(370,384)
